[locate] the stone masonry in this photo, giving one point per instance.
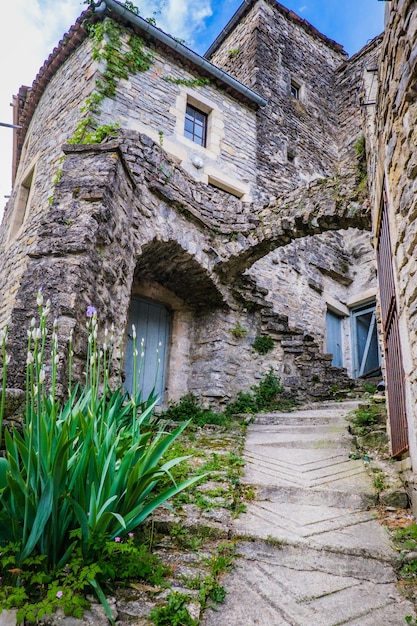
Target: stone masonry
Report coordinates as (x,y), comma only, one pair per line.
(261,229)
(396,179)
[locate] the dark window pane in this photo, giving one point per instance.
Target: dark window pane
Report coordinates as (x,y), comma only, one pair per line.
(195,127)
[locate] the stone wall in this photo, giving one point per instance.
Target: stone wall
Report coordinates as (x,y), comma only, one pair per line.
(397,172)
(230,154)
(297,137)
(303,279)
(53,122)
(273,49)
(115,228)
(138,215)
(133,107)
(356,84)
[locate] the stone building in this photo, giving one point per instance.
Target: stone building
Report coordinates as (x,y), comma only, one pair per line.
(393,178)
(209,200)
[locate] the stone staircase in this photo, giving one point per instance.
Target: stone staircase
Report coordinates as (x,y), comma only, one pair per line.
(311,548)
(310,374)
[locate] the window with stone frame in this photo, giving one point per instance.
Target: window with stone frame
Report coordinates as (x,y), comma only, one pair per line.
(22,205)
(195,127)
(295,89)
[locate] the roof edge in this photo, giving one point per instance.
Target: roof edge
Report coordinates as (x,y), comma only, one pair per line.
(190,55)
(245,8)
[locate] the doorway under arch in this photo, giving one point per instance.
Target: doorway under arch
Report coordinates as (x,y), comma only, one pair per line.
(152,321)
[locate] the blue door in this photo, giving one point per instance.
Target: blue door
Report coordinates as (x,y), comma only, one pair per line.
(366,355)
(152,321)
(334,338)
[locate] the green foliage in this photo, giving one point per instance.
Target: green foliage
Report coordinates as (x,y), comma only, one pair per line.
(174,613)
(58,176)
(368,388)
(238,331)
(264,397)
(406,538)
(263,344)
(119,64)
(41,593)
(233,53)
(365,418)
(379,480)
(193,82)
(406,541)
(189,408)
(131,7)
(361,165)
(360,147)
(80,473)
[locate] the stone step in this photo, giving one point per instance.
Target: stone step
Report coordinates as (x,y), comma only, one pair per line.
(289,586)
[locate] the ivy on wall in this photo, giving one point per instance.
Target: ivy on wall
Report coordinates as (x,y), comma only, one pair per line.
(119,64)
(193,82)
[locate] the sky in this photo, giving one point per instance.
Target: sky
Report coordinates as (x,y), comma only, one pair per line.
(34,27)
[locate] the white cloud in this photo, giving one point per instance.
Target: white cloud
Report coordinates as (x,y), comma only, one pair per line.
(33,28)
(180,18)
(303,8)
(27,37)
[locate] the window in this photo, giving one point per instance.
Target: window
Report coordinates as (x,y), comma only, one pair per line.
(22,202)
(290,156)
(195,125)
(295,90)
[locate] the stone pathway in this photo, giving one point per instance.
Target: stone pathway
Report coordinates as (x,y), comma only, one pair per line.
(312,553)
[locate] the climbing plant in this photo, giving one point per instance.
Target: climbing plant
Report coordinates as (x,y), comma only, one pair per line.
(107,38)
(192,82)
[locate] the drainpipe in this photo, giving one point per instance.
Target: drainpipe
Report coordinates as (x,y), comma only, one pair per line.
(192,56)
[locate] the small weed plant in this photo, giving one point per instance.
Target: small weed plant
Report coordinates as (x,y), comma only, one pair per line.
(190,408)
(266,396)
(238,331)
(263,344)
(175,612)
(365,418)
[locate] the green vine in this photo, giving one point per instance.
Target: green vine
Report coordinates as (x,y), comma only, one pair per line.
(108,47)
(194,82)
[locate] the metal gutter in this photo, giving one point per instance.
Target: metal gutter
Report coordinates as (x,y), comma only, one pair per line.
(190,55)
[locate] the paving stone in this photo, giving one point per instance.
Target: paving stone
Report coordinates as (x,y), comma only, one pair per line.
(317,554)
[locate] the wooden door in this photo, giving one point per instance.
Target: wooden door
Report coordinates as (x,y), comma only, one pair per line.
(395,383)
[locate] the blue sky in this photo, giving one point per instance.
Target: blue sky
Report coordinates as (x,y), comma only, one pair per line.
(33,27)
